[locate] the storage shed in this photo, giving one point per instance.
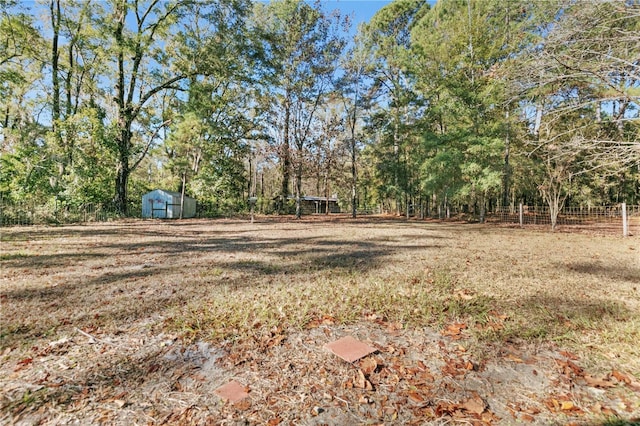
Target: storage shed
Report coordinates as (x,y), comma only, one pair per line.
(161,204)
(316,205)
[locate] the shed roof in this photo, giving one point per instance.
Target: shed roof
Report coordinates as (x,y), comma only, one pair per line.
(172,193)
(313,198)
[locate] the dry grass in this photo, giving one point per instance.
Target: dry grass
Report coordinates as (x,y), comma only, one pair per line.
(232,281)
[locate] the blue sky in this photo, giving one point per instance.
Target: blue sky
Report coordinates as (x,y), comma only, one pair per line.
(360,10)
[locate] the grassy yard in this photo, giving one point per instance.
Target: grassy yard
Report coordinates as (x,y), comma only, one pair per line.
(109,322)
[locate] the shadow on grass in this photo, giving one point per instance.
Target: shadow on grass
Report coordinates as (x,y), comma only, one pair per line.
(133,228)
(190,269)
(554,317)
(629,274)
(153,276)
(47,260)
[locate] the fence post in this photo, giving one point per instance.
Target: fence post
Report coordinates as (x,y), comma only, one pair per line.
(521,214)
(625,222)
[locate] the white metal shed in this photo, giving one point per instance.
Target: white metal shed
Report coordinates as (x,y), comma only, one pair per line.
(163,204)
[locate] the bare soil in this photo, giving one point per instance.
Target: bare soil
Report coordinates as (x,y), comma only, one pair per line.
(139,322)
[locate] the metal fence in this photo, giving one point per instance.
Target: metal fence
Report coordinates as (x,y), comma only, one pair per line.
(600,219)
(31,213)
(621,218)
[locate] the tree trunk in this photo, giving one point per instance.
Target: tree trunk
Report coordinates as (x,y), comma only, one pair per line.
(286,154)
(396,156)
(184,184)
(55,57)
(69,143)
(553,193)
(54,7)
(506,173)
(299,190)
(354,179)
(123,139)
(326,185)
(354,153)
(122,179)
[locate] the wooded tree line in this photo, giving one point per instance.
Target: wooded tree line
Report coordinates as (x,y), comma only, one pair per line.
(463,104)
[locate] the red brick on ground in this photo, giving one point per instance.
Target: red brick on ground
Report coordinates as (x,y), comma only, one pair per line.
(350,349)
(232,392)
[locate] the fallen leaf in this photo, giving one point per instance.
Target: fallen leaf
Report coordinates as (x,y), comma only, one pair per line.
(361,382)
(394,326)
(499,316)
(23,363)
(488,418)
(121,395)
(444,408)
(474,405)
(426,377)
(244,404)
(621,377)
(415,397)
(274,422)
(569,355)
(569,367)
(364,399)
(119,403)
(567,406)
(464,295)
(454,330)
(598,383)
(532,410)
(368,365)
(513,358)
(527,418)
(552,404)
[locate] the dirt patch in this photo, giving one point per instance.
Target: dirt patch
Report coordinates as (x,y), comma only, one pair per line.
(415,377)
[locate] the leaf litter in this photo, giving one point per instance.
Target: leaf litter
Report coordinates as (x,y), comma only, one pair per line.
(414,377)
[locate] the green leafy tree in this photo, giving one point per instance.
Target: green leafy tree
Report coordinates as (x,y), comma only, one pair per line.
(578,83)
(303,46)
(460,47)
(388,38)
(209,137)
(354,88)
(25,163)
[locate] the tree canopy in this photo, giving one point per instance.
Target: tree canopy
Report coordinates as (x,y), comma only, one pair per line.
(459,104)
